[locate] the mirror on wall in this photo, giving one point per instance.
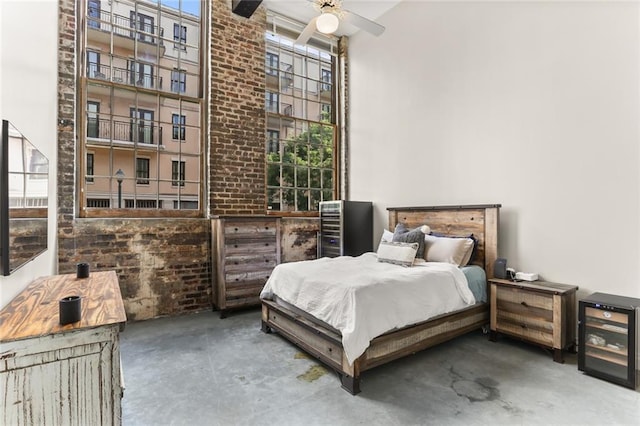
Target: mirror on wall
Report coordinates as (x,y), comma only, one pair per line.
(23,200)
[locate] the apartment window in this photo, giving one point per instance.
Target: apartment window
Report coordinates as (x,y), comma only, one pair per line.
(142,204)
(90,171)
(272,64)
(93,65)
(142,128)
(326,80)
(93,119)
(271,101)
(178,81)
(128,114)
(177,173)
(302,165)
(143,24)
(93,13)
(273,140)
(142,171)
(179,122)
(179,36)
(141,74)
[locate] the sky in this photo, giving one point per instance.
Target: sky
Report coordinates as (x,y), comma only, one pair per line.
(189,6)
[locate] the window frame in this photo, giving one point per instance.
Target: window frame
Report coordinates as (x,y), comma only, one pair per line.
(178,128)
(101,203)
(178,173)
(142,180)
(288,109)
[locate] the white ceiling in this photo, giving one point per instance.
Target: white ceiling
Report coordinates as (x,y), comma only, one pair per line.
(303,10)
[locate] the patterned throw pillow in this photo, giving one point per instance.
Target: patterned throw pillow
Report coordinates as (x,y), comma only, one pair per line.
(397,253)
(402,234)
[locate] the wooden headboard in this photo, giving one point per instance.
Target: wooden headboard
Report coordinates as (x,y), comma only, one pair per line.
(480,220)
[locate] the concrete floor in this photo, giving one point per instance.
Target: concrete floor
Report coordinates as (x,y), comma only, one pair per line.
(201,370)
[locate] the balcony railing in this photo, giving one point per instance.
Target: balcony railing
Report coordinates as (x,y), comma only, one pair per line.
(139,131)
(123,75)
(126,27)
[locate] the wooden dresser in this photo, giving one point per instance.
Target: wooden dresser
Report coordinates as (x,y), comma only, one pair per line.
(69,375)
(539,312)
(245,250)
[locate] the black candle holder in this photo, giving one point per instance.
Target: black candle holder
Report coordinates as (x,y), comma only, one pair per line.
(70,308)
(82,270)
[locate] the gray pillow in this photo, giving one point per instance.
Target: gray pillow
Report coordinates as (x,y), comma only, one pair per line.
(402,234)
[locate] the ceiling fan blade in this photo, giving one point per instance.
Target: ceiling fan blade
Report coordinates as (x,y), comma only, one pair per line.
(362,23)
(308,31)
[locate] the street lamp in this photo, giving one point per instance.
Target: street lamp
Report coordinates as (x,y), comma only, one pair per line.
(119,177)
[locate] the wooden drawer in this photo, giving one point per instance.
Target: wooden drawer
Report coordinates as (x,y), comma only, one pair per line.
(539,312)
(245,251)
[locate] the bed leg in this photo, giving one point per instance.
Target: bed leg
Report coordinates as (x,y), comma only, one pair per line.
(350,384)
(265,328)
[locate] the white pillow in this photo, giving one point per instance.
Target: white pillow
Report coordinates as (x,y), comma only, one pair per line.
(386,236)
(445,249)
(397,253)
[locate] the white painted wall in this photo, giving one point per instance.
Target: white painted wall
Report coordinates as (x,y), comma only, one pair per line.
(28,98)
(534,105)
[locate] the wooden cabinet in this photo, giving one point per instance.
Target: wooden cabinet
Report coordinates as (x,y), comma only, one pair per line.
(609,331)
(538,312)
(245,251)
(54,374)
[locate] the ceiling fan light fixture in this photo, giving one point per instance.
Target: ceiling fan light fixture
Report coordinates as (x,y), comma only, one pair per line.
(327,23)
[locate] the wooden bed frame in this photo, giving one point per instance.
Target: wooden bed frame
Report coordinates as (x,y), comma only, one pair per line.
(325,343)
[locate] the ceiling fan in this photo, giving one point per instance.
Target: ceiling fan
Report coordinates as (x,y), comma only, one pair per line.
(331,13)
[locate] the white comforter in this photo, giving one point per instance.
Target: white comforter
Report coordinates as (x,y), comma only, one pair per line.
(364,298)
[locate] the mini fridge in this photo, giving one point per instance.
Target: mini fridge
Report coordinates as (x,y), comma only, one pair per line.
(346,228)
(608,342)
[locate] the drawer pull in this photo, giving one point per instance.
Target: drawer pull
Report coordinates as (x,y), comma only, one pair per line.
(523,303)
(236,229)
(235,263)
(523,325)
(266,228)
(266,244)
(235,245)
(266,261)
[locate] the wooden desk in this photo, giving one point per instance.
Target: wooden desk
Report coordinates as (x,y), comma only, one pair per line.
(69,374)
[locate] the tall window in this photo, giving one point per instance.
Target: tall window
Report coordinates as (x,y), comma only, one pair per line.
(272,64)
(93,12)
(178,121)
(273,140)
(142,171)
(178,81)
(144,24)
(135,102)
(177,173)
(141,74)
(90,171)
(93,65)
(179,36)
(301,165)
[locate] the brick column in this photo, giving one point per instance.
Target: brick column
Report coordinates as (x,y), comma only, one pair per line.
(236,112)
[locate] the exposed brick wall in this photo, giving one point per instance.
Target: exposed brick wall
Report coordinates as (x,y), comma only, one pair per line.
(236,112)
(163,265)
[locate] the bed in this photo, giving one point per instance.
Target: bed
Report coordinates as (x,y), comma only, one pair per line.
(325,342)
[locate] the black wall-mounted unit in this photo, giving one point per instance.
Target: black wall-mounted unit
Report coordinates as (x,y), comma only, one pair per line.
(608,328)
(245,7)
(346,228)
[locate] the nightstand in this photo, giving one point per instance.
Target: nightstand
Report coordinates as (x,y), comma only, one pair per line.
(539,312)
